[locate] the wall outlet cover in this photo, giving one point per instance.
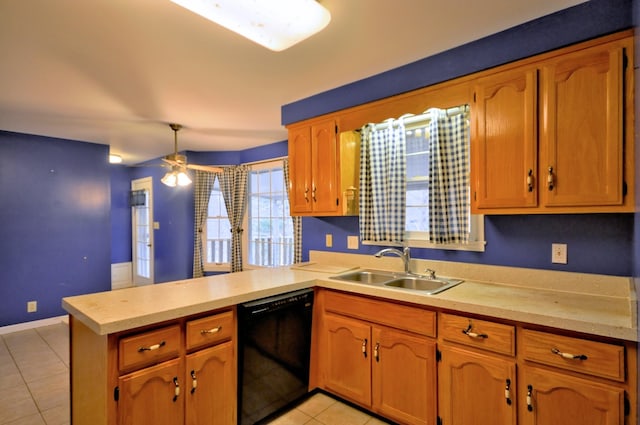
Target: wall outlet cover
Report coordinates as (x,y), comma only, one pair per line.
(559,253)
(352,242)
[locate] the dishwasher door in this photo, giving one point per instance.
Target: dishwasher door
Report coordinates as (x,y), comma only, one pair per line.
(274,342)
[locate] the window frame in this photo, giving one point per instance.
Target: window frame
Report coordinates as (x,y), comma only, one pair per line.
(213,267)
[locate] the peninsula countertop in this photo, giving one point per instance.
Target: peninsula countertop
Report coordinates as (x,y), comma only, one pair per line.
(119,310)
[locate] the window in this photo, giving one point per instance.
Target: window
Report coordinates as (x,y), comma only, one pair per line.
(269,227)
(217,244)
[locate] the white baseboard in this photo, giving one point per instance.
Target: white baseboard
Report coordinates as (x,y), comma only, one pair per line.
(121,276)
(33,324)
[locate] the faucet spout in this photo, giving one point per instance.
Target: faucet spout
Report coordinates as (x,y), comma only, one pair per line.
(404,254)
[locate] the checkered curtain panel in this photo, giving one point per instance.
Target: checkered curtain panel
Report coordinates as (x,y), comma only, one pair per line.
(448,178)
(233,184)
(202,190)
(383,182)
(297,220)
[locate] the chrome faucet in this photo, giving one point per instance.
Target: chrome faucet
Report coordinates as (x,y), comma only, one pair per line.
(404,254)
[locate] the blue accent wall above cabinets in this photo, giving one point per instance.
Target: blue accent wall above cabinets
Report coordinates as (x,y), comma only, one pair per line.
(55,230)
(120,214)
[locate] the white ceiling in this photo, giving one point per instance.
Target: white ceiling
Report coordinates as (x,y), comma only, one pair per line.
(117,71)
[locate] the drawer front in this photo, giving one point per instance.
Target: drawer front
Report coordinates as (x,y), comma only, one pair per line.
(147,348)
(580,355)
(412,319)
(210,330)
(490,336)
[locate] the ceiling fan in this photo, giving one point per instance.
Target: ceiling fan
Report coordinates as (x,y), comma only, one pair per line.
(177,175)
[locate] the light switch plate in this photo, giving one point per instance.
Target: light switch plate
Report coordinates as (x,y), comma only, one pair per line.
(352,242)
(559,253)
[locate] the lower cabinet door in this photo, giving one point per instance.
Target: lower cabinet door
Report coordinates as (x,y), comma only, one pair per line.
(153,395)
(555,398)
(210,390)
(404,376)
(348,353)
(476,389)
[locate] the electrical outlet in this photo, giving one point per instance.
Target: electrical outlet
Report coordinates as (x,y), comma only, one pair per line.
(352,242)
(559,253)
(32,306)
(328,240)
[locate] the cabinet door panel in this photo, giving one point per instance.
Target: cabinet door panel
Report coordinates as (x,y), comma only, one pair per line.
(211,399)
(582,128)
(324,192)
(476,389)
(561,399)
(404,376)
(148,396)
(505,145)
(348,371)
(300,170)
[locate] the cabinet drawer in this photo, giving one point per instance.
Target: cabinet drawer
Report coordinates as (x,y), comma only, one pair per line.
(148,347)
(590,357)
(209,330)
(490,336)
(399,316)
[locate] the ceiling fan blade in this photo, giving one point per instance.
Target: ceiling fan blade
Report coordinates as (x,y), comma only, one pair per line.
(205,168)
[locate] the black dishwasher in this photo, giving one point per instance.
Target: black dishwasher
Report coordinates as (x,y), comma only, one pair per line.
(274,342)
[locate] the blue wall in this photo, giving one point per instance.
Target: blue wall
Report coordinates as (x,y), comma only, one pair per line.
(55,229)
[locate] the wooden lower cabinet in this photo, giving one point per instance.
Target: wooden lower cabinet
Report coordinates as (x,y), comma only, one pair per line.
(475,388)
(390,371)
(210,396)
(152,395)
(557,398)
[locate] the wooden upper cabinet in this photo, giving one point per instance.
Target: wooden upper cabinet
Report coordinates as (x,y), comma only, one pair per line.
(505,146)
(323,169)
(582,130)
(555,135)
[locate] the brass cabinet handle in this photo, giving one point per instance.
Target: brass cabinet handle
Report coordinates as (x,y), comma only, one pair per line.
(151,347)
(530,180)
(194,382)
(569,356)
(176,391)
(507,391)
(211,331)
(306,197)
(529,391)
(313,193)
(364,347)
(473,334)
(376,352)
(550,182)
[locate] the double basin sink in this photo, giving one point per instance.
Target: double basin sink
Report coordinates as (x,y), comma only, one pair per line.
(424,284)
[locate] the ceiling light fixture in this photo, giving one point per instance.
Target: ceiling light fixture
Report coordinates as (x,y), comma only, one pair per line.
(274,24)
(176,177)
(115,159)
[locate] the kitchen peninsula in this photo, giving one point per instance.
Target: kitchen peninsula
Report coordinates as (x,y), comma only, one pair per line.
(108,330)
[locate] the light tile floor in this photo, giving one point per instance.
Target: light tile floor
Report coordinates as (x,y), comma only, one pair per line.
(34,385)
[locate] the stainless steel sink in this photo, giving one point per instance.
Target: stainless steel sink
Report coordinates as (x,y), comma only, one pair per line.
(366,276)
(399,280)
(431,286)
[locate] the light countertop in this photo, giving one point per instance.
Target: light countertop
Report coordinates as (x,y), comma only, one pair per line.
(606,306)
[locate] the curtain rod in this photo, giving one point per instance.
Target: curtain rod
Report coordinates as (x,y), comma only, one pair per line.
(262,161)
(425,116)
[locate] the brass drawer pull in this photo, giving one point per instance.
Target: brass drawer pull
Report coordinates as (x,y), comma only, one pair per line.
(474,334)
(569,356)
(151,347)
(211,331)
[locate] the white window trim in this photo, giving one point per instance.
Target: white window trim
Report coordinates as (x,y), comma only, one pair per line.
(212,267)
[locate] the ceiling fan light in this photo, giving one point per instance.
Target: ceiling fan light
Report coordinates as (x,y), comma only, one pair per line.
(274,24)
(170,179)
(183,178)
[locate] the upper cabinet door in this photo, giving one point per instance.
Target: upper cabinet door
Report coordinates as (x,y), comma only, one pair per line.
(582,144)
(324,190)
(504,149)
(300,170)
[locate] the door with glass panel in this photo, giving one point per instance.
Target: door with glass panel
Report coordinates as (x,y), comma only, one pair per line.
(142,231)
